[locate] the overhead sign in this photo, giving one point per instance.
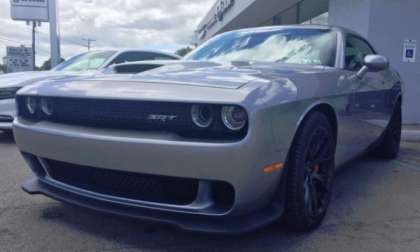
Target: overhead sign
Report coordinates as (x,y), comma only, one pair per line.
(220,10)
(19,59)
(410,51)
(29,10)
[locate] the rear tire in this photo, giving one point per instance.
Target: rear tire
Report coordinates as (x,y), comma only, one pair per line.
(310,173)
(389,145)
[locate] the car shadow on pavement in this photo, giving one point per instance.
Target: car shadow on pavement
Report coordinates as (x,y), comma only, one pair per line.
(125,233)
(6,137)
(352,181)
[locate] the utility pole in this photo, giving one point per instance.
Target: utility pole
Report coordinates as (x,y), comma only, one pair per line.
(34,25)
(89,42)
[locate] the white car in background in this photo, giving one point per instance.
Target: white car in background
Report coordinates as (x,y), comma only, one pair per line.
(86,64)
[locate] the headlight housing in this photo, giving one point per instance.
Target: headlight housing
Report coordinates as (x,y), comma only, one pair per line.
(202,115)
(46,107)
(31,105)
(221,118)
(234,118)
(8,93)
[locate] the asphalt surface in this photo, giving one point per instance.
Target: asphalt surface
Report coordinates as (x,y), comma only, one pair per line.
(375,207)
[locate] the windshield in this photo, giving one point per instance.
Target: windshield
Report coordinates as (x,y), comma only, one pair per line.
(87,61)
(64,64)
(295,46)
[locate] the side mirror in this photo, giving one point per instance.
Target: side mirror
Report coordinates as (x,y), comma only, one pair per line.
(373,63)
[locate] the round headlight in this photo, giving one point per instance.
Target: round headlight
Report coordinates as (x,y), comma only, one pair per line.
(31,105)
(202,115)
(46,107)
(234,117)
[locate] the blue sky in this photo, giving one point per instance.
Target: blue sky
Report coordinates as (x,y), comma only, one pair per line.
(150,24)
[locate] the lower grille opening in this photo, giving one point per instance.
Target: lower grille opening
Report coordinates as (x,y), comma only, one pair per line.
(129,185)
(223,194)
(6,119)
(35,165)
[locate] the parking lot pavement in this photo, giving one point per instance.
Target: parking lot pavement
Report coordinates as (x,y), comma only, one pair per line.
(376,207)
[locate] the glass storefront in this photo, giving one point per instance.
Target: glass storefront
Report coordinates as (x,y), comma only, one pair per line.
(319,20)
(304,12)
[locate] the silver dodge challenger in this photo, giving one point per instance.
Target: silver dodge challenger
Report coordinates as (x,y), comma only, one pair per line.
(245,130)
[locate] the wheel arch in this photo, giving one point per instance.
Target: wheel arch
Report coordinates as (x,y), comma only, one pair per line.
(325,108)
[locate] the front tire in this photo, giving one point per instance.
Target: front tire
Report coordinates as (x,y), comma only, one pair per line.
(310,173)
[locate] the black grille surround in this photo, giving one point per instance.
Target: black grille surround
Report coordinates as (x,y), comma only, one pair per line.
(129,185)
(8,93)
(131,115)
(6,119)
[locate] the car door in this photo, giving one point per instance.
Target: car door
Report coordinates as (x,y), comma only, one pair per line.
(369,105)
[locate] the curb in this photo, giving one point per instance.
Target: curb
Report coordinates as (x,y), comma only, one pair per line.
(411,135)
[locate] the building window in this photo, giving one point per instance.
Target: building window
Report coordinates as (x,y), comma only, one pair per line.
(304,12)
(319,20)
(289,16)
(313,11)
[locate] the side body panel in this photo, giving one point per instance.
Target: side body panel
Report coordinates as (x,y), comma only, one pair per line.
(363,106)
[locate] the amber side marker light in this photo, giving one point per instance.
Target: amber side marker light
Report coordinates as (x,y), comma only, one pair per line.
(273,168)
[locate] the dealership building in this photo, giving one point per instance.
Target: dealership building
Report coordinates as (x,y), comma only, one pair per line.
(391,26)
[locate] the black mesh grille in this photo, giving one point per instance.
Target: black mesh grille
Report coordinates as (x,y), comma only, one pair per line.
(135,186)
(6,119)
(8,93)
(119,114)
(131,115)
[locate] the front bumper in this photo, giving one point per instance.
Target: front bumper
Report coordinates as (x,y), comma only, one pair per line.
(239,164)
(196,223)
(7,113)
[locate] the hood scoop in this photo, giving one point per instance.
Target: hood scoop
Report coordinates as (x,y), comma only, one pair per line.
(206,74)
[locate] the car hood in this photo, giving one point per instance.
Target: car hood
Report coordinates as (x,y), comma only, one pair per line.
(232,75)
(186,81)
(27,78)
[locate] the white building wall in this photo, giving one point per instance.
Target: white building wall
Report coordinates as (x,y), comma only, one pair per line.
(387,24)
(354,14)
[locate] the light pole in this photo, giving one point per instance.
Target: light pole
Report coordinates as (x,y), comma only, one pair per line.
(54,32)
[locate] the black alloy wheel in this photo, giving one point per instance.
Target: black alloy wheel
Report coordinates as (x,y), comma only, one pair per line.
(310,173)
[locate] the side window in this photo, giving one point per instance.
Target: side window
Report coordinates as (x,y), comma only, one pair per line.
(123,57)
(164,57)
(356,50)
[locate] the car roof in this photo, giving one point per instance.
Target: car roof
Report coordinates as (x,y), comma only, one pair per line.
(119,51)
(301,26)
